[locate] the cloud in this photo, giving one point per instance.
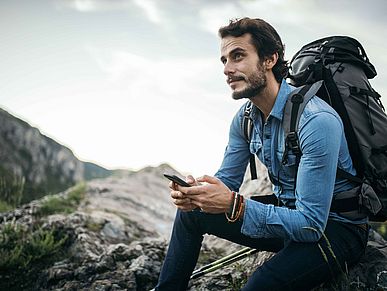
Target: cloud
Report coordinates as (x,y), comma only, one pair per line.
(149,7)
(168,77)
(164,102)
(157,65)
(151,10)
(211,18)
(93,5)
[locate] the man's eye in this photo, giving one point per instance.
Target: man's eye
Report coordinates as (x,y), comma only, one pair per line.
(237,56)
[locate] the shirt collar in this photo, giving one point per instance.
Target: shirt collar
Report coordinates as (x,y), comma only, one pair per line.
(280,101)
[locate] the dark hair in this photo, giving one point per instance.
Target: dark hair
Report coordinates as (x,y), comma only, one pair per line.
(265,39)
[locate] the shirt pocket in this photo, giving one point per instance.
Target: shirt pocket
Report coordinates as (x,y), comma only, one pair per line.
(287,170)
(255,144)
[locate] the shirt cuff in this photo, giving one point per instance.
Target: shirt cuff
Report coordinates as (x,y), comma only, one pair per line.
(254,219)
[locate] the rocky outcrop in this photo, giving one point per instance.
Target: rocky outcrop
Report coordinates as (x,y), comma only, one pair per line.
(141,197)
(45,165)
(103,251)
(117,239)
(259,186)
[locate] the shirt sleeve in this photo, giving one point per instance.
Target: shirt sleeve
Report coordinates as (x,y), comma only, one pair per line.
(320,138)
(236,155)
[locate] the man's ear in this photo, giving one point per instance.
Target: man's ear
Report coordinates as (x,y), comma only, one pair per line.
(271,61)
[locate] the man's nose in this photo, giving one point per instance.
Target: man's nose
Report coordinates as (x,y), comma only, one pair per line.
(228,68)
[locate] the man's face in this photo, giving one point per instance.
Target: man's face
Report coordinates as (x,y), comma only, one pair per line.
(242,66)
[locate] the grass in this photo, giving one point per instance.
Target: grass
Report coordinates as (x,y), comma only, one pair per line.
(25,252)
(21,247)
(4,206)
(340,280)
(68,204)
(11,190)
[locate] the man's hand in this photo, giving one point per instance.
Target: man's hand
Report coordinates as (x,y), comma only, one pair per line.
(212,196)
(179,198)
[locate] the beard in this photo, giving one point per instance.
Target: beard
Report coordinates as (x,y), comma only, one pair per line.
(256,83)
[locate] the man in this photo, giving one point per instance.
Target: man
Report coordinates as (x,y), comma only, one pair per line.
(312,244)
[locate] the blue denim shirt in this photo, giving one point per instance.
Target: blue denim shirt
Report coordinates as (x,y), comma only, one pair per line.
(324,148)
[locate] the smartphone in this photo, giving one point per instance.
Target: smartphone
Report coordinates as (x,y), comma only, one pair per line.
(177,180)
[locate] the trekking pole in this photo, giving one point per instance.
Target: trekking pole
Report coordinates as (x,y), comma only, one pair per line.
(239,255)
(222,260)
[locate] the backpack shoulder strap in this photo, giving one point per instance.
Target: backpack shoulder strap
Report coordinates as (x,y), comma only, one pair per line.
(247,124)
(247,129)
(293,109)
(292,112)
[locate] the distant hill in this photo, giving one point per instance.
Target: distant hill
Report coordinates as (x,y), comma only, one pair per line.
(37,164)
(93,171)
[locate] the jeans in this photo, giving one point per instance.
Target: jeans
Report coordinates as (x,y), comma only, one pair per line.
(296,265)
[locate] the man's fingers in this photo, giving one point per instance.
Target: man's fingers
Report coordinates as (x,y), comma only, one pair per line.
(182,201)
(172,185)
(208,179)
(190,179)
(194,190)
(177,195)
(182,189)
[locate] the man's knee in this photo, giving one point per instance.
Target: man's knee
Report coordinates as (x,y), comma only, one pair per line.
(188,220)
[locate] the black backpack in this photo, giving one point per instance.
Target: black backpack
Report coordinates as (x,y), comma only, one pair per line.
(337,70)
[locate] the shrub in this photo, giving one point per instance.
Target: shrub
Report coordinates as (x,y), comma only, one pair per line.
(21,247)
(77,194)
(4,206)
(55,205)
(11,188)
(68,204)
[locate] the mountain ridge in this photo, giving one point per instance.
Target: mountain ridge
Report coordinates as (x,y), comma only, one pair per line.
(45,165)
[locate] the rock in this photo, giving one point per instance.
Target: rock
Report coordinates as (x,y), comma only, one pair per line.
(120,252)
(43,164)
(62,271)
(55,167)
(114,230)
(117,241)
(146,271)
(260,186)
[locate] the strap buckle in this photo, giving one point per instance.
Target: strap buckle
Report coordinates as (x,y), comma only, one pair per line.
(292,141)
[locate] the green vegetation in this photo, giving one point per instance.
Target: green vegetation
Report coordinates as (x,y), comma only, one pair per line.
(4,206)
(237,282)
(11,190)
(77,193)
(51,184)
(94,226)
(21,247)
(69,204)
(94,171)
(380,227)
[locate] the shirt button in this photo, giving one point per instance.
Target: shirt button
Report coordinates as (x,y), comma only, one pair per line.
(267,136)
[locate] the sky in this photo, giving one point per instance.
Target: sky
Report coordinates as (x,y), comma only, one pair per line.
(135,83)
